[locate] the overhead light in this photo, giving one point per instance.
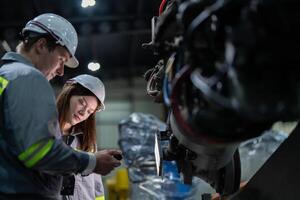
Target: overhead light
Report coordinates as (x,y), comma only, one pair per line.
(87,3)
(93,66)
(92,2)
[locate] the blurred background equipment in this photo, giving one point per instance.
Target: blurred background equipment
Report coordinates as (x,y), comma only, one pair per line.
(118,186)
(137,138)
(4,46)
(227,70)
(255,152)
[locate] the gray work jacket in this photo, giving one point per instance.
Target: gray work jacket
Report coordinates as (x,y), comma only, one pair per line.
(33,155)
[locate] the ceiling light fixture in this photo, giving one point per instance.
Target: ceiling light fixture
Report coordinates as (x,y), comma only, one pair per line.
(87,3)
(93,66)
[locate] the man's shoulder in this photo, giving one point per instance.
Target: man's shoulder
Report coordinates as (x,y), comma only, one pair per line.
(18,70)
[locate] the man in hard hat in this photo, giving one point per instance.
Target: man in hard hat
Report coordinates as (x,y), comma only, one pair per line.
(32,155)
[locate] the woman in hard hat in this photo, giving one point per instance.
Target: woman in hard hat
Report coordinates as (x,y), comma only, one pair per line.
(77,103)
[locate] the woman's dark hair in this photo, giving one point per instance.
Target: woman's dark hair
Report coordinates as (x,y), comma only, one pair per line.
(88,127)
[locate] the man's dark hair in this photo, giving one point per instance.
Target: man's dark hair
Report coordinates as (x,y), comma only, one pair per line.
(29,41)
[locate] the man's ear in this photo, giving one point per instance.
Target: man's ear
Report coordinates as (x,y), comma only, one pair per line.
(41,46)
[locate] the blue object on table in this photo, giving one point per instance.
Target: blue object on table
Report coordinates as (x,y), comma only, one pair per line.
(175,189)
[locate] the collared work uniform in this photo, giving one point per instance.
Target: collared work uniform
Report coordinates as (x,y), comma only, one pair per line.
(33,155)
(84,187)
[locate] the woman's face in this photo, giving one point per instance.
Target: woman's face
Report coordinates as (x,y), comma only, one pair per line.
(80,108)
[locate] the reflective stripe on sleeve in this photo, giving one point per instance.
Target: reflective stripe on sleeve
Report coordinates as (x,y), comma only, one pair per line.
(35,152)
(100,197)
(3,84)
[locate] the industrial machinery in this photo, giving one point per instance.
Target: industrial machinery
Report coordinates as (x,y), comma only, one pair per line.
(227,70)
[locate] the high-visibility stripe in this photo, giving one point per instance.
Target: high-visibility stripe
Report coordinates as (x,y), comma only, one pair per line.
(3,84)
(29,151)
(35,153)
(100,197)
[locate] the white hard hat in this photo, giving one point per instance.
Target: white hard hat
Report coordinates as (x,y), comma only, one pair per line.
(60,29)
(93,84)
